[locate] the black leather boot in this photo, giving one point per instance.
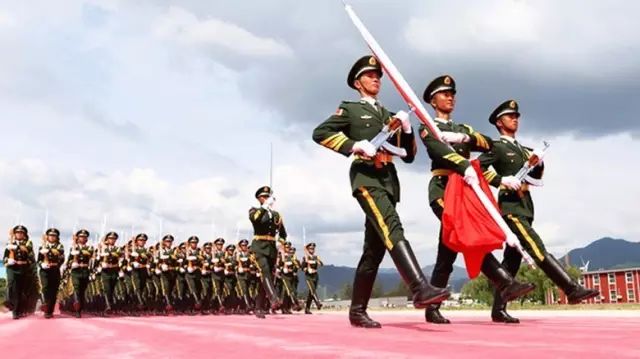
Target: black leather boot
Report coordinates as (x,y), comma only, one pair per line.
(407,264)
(499,311)
(271,292)
(432,315)
(362,286)
(574,291)
(307,307)
(508,287)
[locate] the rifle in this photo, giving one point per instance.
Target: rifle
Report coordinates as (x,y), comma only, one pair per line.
(415,105)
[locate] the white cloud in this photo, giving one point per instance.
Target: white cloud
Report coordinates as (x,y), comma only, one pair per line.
(6,20)
(567,38)
(181,25)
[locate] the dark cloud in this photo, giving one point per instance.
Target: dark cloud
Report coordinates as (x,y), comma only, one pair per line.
(306,89)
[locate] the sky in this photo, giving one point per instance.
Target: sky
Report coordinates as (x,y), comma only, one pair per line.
(159,115)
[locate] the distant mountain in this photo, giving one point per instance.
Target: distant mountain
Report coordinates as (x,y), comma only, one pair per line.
(334,277)
(606,253)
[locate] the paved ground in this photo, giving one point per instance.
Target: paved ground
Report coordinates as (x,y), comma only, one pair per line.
(542,334)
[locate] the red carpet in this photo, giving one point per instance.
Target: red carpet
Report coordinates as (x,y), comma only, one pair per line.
(404,335)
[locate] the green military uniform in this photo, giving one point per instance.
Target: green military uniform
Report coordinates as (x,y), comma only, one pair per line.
(206,276)
(79,259)
(166,262)
(110,258)
(217,275)
(181,282)
(505,159)
(18,260)
(230,281)
(243,263)
(139,258)
(310,265)
(267,226)
(50,257)
(193,258)
(288,267)
(375,185)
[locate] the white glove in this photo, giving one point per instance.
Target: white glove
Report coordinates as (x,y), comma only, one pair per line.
(205,272)
(164,256)
(269,202)
(364,147)
(136,265)
(135,254)
(164,267)
(180,260)
(539,153)
(75,252)
(285,270)
(11,246)
(121,274)
(216,260)
(406,122)
(99,269)
(74,265)
(44,251)
(181,270)
(191,258)
(63,268)
(190,269)
(158,271)
(454,137)
(511,182)
(470,176)
(11,261)
(240,270)
(104,254)
(512,240)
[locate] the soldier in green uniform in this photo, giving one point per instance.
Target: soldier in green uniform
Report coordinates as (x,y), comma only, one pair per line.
(79,257)
(139,261)
(193,263)
(205,277)
(50,258)
(254,277)
(268,227)
(295,281)
(18,259)
(181,282)
(375,185)
(230,297)
(242,273)
(500,165)
(440,94)
(287,268)
(110,257)
(217,275)
(166,262)
(310,264)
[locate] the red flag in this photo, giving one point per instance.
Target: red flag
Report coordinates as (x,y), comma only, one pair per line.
(467,227)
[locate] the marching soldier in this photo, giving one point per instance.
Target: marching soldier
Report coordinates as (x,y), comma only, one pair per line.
(499,166)
(267,224)
(440,94)
(194,263)
(139,262)
(230,300)
(110,257)
(50,259)
(375,185)
(217,275)
(18,259)
(79,258)
(181,282)
(166,262)
(310,264)
(206,276)
(243,263)
(295,280)
(288,266)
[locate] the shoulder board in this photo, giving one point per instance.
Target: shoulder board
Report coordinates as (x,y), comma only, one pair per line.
(469,128)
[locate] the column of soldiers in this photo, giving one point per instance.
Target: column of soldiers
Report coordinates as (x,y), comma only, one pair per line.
(135,279)
(375,185)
